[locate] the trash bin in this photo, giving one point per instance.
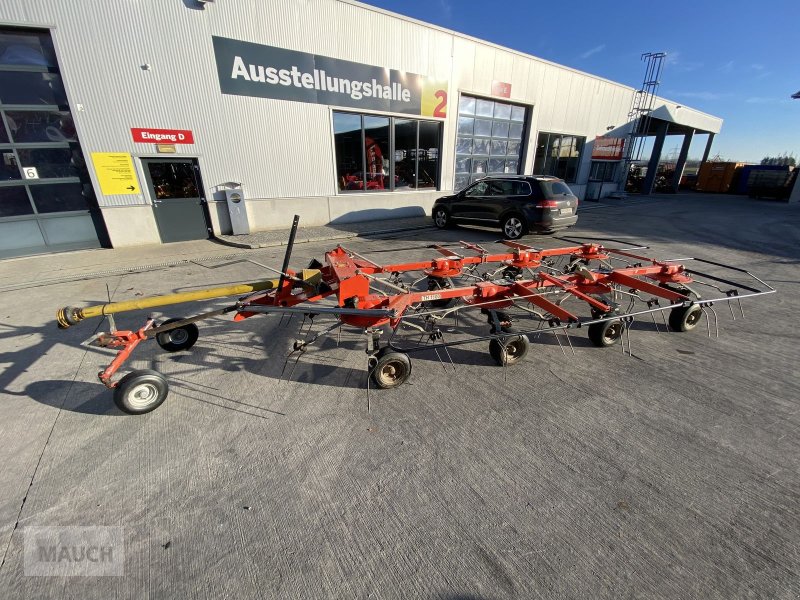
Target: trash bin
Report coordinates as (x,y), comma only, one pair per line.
(237,208)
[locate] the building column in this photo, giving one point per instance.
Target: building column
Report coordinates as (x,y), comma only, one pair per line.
(708,148)
(655,157)
(676,178)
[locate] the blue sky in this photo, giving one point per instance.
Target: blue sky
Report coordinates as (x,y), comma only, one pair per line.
(735,60)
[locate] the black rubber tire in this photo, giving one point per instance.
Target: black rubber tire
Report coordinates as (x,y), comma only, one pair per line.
(441,218)
(513,227)
(516,347)
(180,338)
(685,318)
(141,391)
(391,369)
(437,283)
(606,334)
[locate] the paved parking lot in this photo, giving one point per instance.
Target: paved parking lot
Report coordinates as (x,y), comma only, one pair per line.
(672,474)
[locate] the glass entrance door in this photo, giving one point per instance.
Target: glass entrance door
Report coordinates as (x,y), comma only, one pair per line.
(178,200)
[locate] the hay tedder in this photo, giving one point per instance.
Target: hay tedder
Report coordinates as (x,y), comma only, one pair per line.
(463,295)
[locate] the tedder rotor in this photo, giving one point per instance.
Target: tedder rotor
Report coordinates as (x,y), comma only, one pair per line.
(502,297)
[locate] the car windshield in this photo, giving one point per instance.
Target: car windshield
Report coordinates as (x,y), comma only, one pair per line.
(556,188)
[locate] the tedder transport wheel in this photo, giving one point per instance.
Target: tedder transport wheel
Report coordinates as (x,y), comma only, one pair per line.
(515,348)
(391,369)
(606,333)
(141,391)
(439,283)
(685,318)
(180,338)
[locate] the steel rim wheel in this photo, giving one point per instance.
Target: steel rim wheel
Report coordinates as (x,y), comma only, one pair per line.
(178,336)
(141,391)
(391,370)
(510,351)
(685,318)
(142,395)
(606,333)
(612,332)
(512,228)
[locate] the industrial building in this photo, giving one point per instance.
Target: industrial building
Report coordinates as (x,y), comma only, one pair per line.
(152,121)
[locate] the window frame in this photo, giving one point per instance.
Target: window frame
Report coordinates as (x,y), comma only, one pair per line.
(391,152)
(550,165)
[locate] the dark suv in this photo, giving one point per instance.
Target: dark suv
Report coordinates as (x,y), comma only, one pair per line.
(517,204)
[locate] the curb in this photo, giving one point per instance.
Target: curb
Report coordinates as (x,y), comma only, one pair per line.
(338,236)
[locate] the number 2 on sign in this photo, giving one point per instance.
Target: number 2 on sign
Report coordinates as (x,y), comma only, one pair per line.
(441,109)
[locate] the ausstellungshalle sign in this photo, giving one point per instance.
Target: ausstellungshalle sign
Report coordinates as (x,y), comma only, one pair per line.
(247,69)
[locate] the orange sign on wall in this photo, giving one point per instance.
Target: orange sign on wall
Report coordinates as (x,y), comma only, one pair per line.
(608,148)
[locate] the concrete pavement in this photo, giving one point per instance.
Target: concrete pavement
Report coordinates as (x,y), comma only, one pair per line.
(673,474)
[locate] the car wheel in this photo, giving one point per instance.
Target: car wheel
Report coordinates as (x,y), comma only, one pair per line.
(441,218)
(513,227)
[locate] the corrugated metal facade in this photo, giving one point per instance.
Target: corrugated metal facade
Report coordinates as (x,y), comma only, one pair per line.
(281,151)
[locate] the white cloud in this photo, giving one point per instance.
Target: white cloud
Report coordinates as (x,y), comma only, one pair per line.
(727,67)
(447,8)
(594,50)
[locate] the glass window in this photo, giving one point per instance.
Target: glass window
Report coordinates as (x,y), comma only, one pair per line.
(173,180)
(8,166)
(465,125)
(20,87)
(484,108)
(463,164)
(59,197)
(464,145)
(466,106)
(461,181)
(603,170)
(376,147)
(558,155)
(483,127)
(40,126)
(488,135)
(499,147)
(500,129)
(502,111)
(405,146)
(34,112)
(479,189)
(481,147)
(396,153)
(349,153)
(515,131)
(14,202)
(26,48)
(428,166)
(52,162)
(496,165)
(521,188)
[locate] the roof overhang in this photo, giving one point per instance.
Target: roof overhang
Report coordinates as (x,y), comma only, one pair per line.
(683,120)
